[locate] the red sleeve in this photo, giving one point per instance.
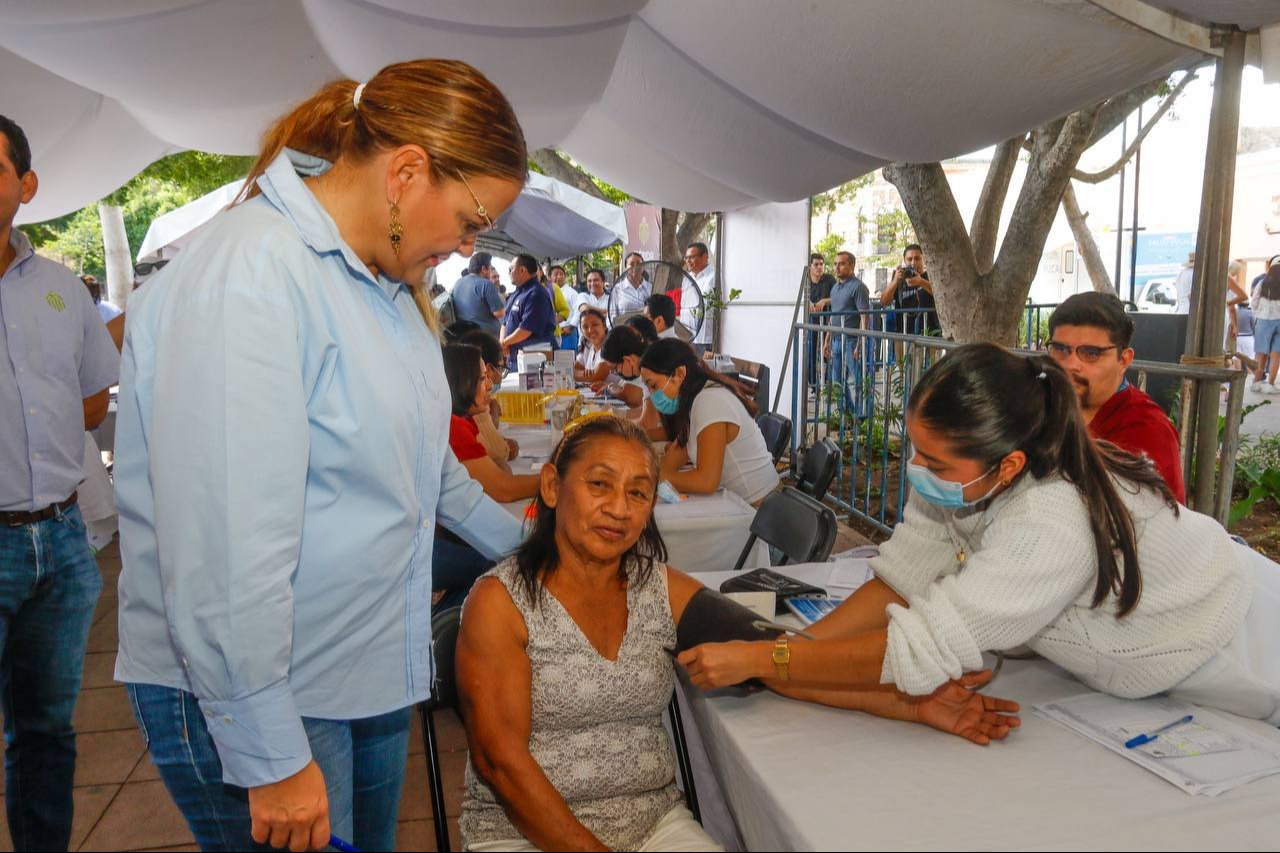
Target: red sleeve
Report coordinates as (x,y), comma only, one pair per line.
(1145,429)
(464,439)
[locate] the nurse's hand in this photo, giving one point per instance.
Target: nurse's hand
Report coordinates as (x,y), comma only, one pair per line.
(955,707)
(293,812)
(713,665)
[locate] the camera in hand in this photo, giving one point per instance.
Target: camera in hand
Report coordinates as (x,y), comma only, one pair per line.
(909,272)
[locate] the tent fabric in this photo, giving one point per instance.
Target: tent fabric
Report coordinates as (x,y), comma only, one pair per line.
(549,218)
(707,105)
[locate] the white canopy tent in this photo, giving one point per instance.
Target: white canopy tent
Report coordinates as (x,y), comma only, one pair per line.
(705,105)
(549,218)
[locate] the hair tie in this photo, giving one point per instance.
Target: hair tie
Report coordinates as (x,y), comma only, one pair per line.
(355,99)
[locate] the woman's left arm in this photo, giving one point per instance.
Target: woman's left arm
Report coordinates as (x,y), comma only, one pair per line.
(466,510)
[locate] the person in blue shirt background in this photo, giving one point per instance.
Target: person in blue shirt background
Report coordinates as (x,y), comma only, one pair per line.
(530,317)
(282,461)
(57,364)
(476,298)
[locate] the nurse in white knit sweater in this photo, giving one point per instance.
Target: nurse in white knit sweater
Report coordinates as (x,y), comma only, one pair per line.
(1020,530)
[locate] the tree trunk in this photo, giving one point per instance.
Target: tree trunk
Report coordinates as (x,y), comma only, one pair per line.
(1085,243)
(116,255)
(985,228)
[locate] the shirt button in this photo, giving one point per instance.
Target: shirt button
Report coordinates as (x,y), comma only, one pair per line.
(226,720)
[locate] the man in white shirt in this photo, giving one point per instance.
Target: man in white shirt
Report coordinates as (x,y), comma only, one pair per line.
(661,309)
(1182,284)
(593,297)
(698,262)
(569,326)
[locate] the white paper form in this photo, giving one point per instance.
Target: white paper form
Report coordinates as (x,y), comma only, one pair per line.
(1208,756)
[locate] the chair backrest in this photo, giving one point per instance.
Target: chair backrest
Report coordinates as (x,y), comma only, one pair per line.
(444,641)
(803,529)
(755,377)
(777,433)
(819,468)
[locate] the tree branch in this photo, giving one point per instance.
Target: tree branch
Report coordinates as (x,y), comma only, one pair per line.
(985,227)
(557,166)
(1084,240)
(1110,171)
(691,228)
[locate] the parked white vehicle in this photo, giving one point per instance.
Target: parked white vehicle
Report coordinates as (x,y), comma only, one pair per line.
(1158,296)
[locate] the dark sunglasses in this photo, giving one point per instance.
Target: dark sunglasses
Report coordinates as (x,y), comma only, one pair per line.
(1088,354)
(148,267)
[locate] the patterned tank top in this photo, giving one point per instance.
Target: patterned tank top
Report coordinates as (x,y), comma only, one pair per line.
(597,728)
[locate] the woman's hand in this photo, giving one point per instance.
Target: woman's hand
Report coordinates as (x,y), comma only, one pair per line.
(713,665)
(293,812)
(513,449)
(955,707)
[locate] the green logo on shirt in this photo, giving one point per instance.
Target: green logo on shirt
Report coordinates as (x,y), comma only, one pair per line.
(56,302)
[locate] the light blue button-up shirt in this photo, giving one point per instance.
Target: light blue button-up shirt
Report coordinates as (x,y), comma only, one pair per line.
(282,456)
(54,352)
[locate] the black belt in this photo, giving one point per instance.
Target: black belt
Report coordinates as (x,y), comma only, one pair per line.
(17,519)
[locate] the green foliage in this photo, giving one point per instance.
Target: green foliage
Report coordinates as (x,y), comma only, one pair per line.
(1258,470)
(894,232)
(163,186)
(824,204)
(828,246)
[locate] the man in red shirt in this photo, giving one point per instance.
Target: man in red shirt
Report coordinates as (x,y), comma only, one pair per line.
(1089,336)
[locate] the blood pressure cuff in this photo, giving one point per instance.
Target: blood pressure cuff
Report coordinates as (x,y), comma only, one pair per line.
(710,617)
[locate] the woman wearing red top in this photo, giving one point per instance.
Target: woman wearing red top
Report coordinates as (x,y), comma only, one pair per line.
(455,564)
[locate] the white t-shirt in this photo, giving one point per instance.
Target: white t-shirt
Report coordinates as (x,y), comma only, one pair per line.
(571,297)
(748,465)
(667,333)
(1266,309)
(587,300)
(589,357)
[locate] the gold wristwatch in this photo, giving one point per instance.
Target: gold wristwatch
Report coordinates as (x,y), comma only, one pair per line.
(782,657)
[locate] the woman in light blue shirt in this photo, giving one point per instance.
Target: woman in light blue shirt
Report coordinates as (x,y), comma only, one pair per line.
(282,460)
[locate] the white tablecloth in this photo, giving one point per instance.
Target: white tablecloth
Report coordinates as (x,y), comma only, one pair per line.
(797,776)
(705,533)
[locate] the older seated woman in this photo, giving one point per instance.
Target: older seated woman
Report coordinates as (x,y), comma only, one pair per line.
(564,666)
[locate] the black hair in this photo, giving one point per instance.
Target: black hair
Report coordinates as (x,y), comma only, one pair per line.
(1270,287)
(555,267)
(621,342)
(19,148)
(631,255)
(1101,310)
(538,556)
(490,349)
(669,355)
(529,262)
(456,330)
(661,305)
(910,247)
(604,320)
(479,261)
(644,326)
(599,272)
(817,256)
(462,370)
(987,402)
(701,247)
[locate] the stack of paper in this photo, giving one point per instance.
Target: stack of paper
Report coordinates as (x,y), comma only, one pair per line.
(1208,755)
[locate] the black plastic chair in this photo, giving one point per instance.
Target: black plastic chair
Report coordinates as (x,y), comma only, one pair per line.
(818,469)
(683,762)
(444,694)
(801,528)
(777,432)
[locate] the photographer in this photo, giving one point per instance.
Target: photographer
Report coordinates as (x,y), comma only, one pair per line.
(908,290)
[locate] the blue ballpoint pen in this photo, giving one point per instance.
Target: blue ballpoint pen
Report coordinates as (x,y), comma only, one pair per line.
(338,844)
(1147,738)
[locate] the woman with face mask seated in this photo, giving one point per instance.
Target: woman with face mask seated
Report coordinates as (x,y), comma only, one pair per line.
(1020,529)
(456,565)
(564,665)
(711,421)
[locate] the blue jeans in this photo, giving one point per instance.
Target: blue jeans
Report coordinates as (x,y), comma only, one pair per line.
(856,375)
(455,567)
(49,585)
(362,761)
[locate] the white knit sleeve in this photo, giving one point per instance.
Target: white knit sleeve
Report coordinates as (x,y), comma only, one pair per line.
(918,551)
(1036,558)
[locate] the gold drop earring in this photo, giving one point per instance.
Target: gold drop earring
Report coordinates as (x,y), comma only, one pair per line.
(395,230)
